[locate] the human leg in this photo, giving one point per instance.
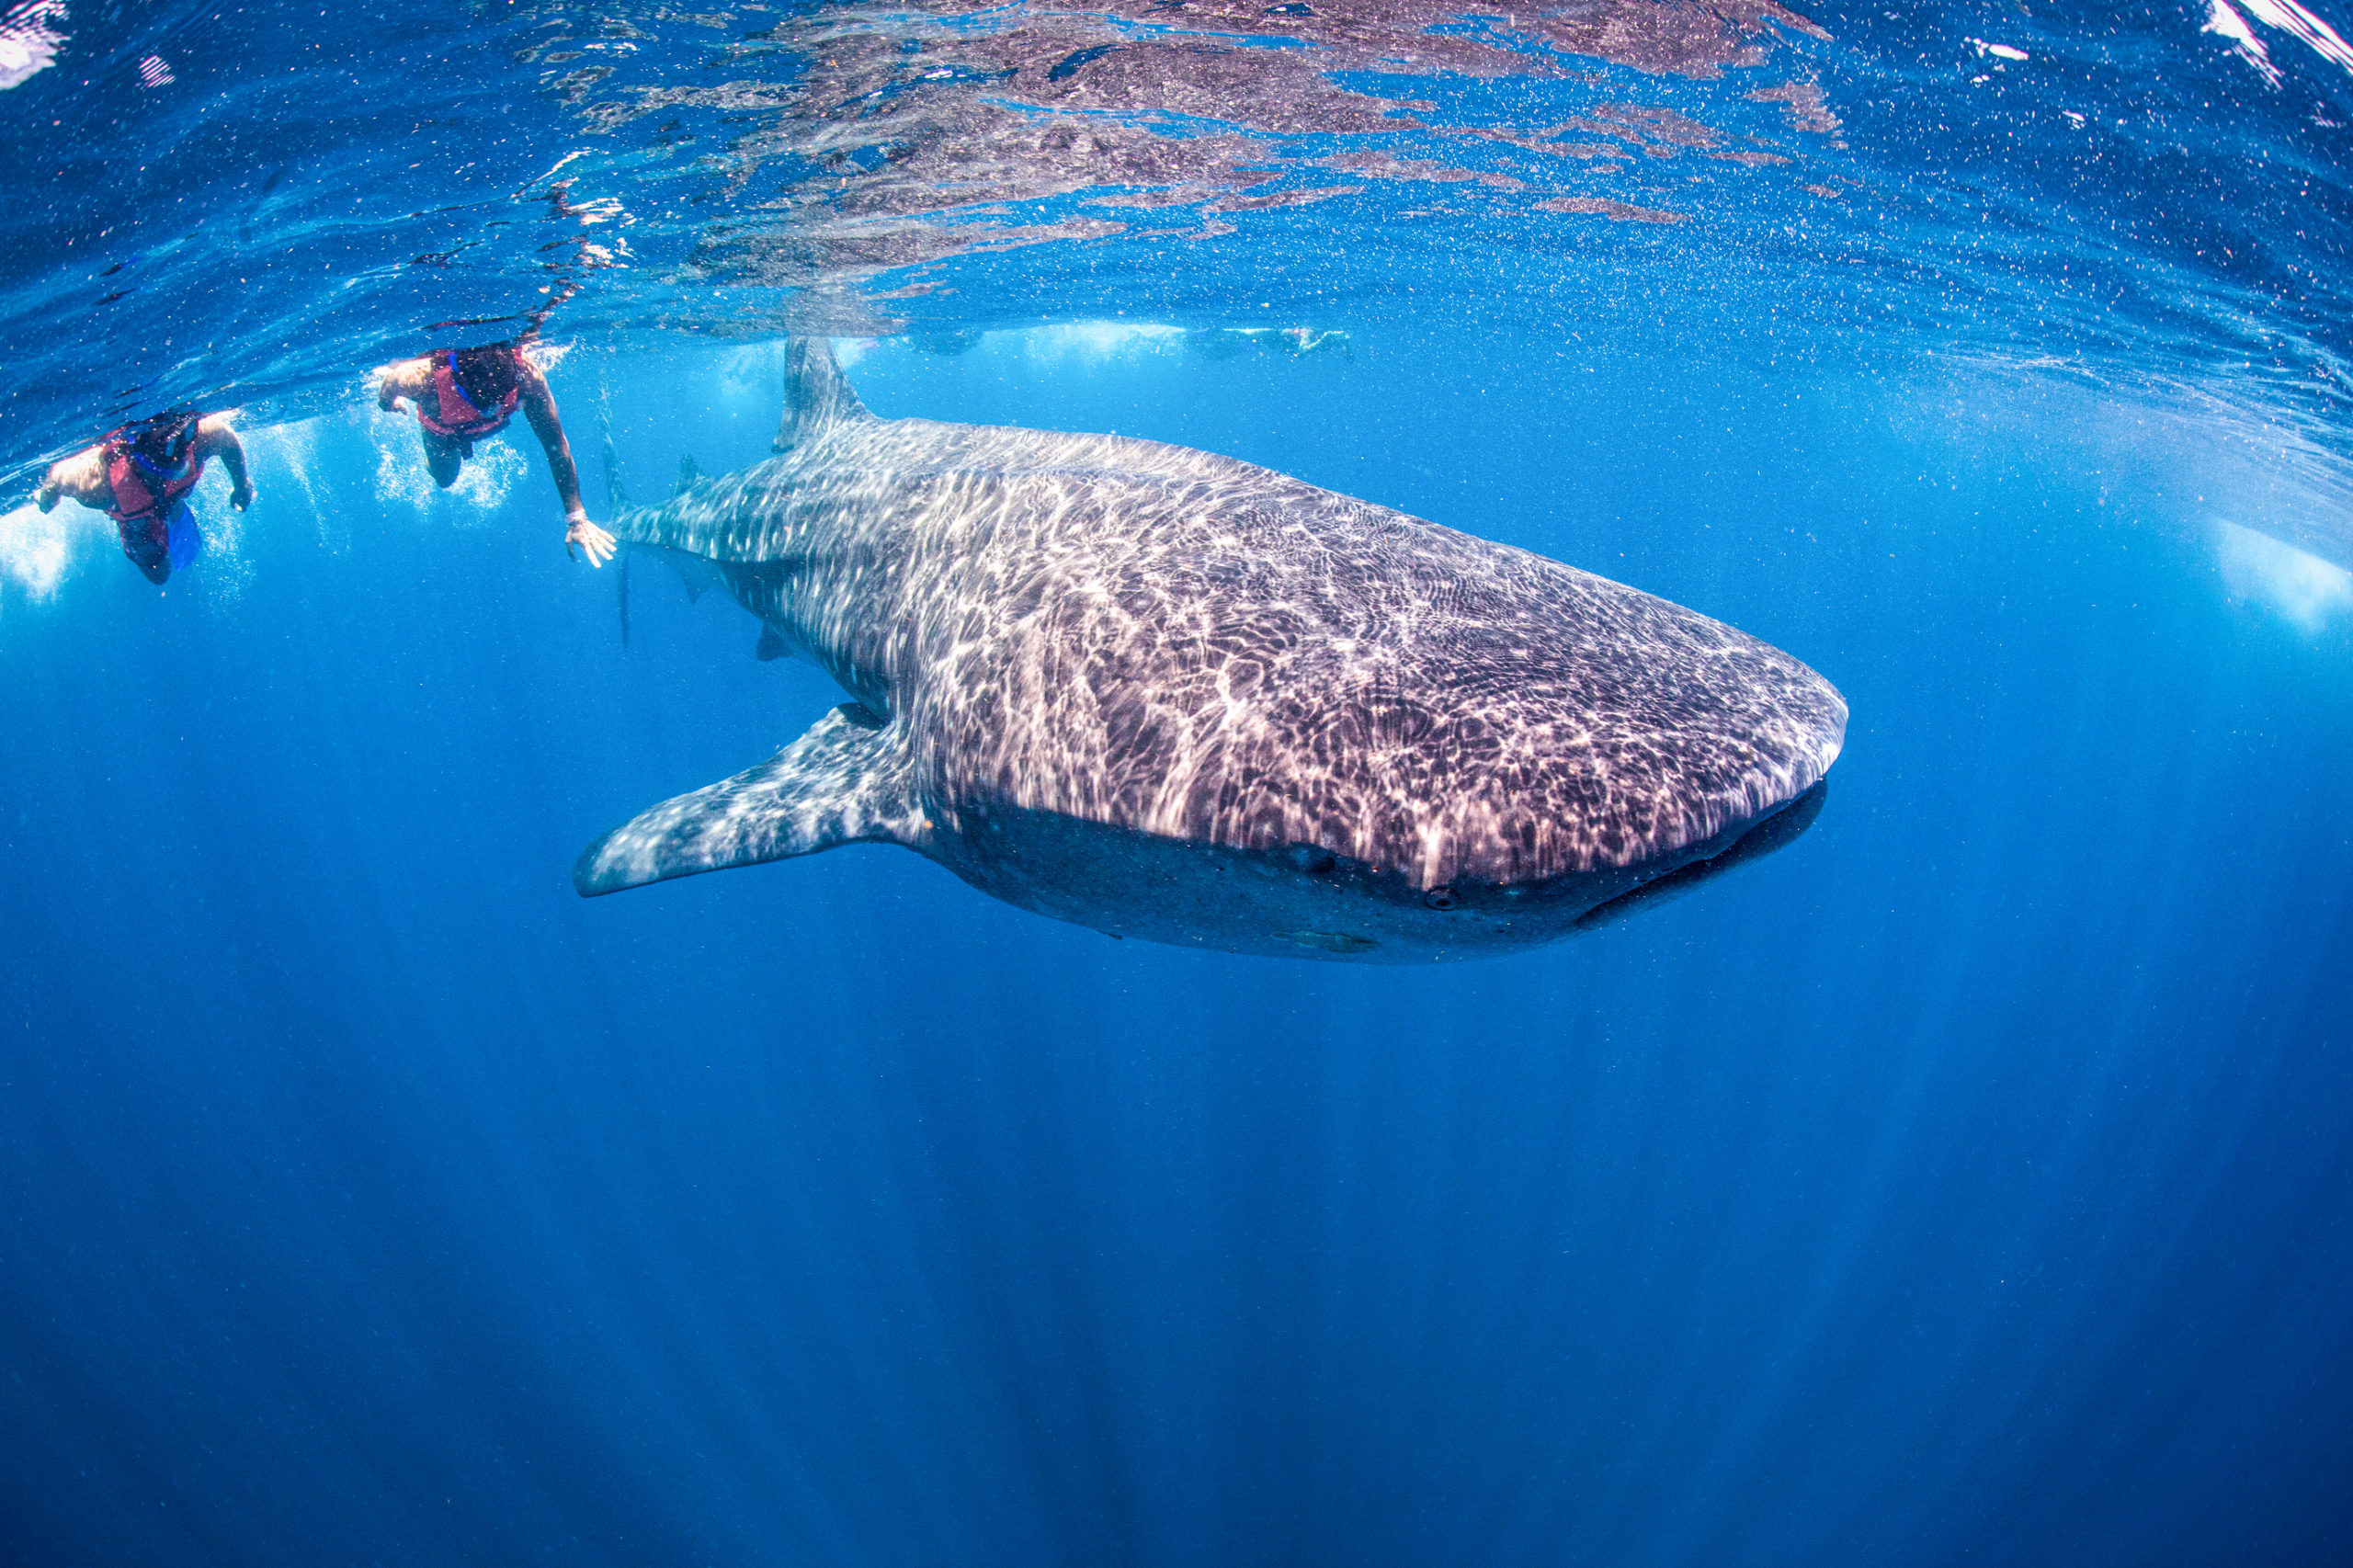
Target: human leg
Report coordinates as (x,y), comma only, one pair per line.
(443,457)
(144,542)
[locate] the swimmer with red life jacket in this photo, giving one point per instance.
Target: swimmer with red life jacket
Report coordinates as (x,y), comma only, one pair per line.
(140,476)
(461,395)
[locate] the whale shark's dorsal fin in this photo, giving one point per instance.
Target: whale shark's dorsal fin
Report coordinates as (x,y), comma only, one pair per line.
(816,394)
(849,780)
(690,474)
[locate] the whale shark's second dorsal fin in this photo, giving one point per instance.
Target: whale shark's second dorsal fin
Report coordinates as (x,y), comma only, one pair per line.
(690,474)
(849,779)
(816,394)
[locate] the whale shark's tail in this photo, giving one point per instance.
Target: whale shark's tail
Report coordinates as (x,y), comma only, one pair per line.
(816,394)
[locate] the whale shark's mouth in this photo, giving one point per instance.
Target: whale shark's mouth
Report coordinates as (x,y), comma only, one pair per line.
(1762,838)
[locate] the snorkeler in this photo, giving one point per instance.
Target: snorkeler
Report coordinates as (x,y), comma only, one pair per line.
(140,476)
(463,394)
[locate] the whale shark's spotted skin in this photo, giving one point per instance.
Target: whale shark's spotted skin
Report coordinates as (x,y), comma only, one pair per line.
(1172,695)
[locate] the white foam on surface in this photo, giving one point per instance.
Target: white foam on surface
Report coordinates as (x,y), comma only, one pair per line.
(483,482)
(284,458)
(39,550)
(2296,586)
(2298,23)
(28,44)
(2229,24)
(1064,343)
(1097,340)
(754,373)
(220,577)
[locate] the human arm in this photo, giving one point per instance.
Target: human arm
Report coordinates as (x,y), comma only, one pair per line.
(408,379)
(82,477)
(538,407)
(215,439)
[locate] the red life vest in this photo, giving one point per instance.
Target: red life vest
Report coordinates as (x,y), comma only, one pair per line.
(141,489)
(454,413)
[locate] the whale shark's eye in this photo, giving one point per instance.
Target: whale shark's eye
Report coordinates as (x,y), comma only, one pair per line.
(1439,898)
(1313,861)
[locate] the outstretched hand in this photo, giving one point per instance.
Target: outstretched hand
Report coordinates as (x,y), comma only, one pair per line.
(241,497)
(583,537)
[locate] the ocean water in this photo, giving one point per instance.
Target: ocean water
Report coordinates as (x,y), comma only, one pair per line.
(1967,1182)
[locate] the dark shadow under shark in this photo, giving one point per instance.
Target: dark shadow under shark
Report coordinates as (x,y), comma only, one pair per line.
(1169,695)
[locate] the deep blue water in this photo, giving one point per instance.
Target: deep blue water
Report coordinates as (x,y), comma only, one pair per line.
(1966,1183)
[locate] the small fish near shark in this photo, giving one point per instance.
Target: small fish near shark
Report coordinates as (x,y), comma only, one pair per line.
(1172,696)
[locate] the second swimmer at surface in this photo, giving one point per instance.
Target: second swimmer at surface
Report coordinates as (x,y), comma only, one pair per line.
(463,394)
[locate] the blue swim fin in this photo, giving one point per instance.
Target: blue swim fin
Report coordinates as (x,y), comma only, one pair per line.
(181,539)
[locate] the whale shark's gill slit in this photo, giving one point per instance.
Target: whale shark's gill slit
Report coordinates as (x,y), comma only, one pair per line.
(1762,838)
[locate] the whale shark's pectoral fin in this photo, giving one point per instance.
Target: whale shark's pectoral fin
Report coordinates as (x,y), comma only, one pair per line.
(849,780)
(816,394)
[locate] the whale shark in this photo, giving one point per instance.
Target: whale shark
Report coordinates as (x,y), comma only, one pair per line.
(1173,696)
